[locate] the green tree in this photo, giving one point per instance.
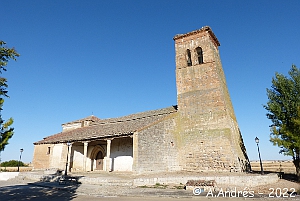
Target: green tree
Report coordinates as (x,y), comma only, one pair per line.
(13,163)
(6,132)
(283,109)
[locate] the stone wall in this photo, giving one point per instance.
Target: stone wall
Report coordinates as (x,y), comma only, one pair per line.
(49,156)
(156,148)
(230,180)
(77,157)
(72,126)
(41,157)
(122,154)
(58,156)
(211,140)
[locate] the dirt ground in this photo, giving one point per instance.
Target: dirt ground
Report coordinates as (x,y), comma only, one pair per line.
(168,192)
(283,185)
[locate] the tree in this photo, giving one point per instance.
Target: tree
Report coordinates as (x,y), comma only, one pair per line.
(283,109)
(6,131)
(13,163)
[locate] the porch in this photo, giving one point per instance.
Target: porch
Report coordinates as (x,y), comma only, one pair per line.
(110,154)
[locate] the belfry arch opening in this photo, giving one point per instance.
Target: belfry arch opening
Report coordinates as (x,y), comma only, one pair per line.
(189,57)
(199,55)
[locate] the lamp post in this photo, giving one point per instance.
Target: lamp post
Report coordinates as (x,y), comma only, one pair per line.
(261,167)
(66,171)
(21,150)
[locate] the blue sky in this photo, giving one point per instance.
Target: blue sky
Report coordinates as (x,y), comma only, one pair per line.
(113,58)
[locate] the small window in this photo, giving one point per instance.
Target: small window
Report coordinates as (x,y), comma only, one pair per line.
(200,55)
(189,58)
(49,149)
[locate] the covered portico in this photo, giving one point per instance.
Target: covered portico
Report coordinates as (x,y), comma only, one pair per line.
(106,154)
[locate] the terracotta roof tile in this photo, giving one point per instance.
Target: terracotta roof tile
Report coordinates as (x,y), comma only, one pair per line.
(110,127)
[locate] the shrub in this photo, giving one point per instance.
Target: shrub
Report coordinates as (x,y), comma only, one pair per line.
(12,163)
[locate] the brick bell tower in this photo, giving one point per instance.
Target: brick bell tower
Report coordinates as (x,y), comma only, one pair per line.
(209,133)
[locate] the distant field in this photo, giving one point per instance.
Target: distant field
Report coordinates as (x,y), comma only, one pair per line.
(268,166)
(15,169)
(274,166)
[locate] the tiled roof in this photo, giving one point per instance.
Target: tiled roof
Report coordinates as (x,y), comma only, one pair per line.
(111,127)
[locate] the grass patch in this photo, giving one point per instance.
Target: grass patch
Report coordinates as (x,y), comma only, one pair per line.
(157,185)
(179,187)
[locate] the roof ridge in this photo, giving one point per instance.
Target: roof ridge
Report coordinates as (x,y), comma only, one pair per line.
(132,117)
(91,117)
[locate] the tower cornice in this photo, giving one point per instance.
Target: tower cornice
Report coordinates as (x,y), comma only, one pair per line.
(203,29)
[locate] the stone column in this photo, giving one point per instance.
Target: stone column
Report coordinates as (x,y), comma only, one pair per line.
(85,148)
(135,151)
(108,159)
(69,148)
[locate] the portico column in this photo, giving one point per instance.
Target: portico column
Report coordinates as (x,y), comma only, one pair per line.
(135,151)
(69,156)
(85,147)
(108,161)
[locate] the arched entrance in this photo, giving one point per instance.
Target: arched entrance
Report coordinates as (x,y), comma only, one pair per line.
(97,157)
(99,161)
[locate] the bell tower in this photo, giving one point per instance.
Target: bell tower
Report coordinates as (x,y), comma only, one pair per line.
(208,127)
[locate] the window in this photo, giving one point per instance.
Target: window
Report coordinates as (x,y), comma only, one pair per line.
(49,149)
(200,55)
(189,59)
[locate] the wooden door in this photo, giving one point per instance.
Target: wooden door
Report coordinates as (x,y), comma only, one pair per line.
(99,161)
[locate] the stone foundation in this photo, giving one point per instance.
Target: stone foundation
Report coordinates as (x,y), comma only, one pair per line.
(231,181)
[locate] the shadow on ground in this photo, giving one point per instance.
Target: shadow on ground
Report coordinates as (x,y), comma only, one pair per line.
(46,189)
(287,176)
(290,177)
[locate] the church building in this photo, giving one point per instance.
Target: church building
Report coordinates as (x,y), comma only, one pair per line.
(199,134)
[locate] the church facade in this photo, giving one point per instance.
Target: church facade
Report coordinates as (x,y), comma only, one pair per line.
(199,134)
